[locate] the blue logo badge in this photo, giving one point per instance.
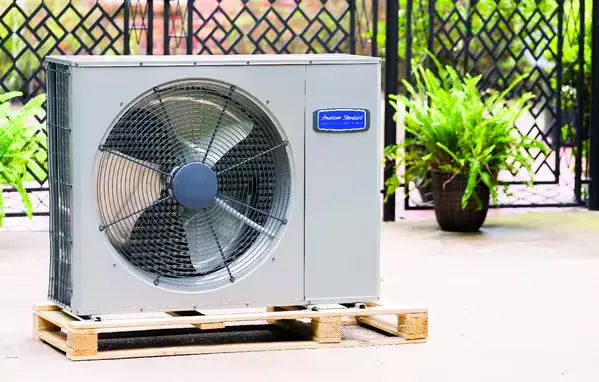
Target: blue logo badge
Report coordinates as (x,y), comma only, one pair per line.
(341,120)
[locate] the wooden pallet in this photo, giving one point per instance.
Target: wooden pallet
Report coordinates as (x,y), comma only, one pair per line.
(179,333)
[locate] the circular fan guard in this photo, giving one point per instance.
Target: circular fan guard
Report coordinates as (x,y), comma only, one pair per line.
(193,183)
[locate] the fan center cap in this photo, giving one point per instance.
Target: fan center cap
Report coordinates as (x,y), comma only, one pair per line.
(194,185)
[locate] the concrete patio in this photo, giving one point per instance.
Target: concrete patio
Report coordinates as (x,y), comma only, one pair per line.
(518,302)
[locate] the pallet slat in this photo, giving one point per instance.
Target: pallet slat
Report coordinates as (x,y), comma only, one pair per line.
(238,317)
(376,322)
(207,326)
(57,317)
(235,348)
(56,339)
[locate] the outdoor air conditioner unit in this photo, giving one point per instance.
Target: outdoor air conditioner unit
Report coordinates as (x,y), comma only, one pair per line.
(188,182)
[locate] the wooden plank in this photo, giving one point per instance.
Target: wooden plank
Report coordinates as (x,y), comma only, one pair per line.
(58,318)
(283,308)
(326,329)
(410,326)
(40,307)
(349,321)
(322,330)
(378,323)
(413,325)
(345,321)
(56,339)
(237,317)
(234,348)
(193,313)
(42,325)
(82,344)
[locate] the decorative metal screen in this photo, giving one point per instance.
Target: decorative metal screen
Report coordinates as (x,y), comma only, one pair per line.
(502,40)
(59,167)
(31,30)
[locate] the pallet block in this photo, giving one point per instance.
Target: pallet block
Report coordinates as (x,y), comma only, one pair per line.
(320,328)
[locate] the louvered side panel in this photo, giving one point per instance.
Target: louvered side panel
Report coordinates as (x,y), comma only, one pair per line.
(59,169)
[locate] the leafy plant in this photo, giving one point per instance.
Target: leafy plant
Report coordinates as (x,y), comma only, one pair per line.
(18,144)
(458,130)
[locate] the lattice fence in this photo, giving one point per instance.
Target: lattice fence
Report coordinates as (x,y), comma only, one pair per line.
(31,30)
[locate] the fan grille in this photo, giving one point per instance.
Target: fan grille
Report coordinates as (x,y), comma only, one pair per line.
(210,125)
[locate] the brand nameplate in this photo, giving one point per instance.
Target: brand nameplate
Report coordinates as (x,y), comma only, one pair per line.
(341,120)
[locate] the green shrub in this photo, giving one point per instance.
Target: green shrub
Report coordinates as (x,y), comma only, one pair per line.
(18,144)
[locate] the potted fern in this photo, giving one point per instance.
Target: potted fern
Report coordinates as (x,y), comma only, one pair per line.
(463,139)
(18,144)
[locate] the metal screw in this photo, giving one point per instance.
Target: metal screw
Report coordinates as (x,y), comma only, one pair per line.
(267,102)
(121,104)
(273,259)
(114,265)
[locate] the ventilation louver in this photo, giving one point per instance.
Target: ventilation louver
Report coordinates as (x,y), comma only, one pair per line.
(60,287)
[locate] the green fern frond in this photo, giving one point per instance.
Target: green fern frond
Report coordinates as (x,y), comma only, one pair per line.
(18,145)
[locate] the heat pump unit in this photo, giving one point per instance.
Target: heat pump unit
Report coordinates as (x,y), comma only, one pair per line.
(195,182)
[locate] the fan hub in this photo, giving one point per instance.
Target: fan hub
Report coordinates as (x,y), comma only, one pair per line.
(194,185)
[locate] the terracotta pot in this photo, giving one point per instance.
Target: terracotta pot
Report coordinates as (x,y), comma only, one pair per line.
(447,196)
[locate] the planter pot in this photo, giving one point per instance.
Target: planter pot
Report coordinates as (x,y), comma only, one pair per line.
(448,203)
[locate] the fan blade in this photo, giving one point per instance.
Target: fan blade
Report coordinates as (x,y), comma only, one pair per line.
(158,244)
(224,137)
(210,129)
(241,217)
(144,135)
(210,244)
(127,188)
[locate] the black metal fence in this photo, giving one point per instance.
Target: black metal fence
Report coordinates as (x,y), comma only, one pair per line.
(548,39)
(31,30)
